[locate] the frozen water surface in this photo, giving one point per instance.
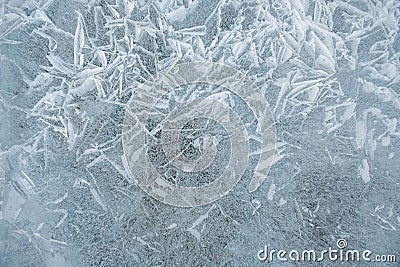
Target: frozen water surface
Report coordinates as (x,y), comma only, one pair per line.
(328,69)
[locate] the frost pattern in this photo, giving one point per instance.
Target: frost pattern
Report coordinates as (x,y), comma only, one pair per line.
(329,70)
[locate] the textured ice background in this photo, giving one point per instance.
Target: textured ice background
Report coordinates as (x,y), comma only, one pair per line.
(329,69)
